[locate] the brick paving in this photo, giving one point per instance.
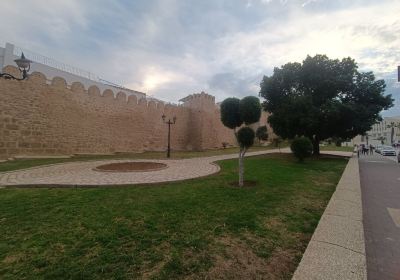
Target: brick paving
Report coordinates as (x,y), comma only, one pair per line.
(82,173)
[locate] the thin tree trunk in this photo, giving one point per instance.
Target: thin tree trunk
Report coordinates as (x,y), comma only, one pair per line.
(392,136)
(241,167)
(315,142)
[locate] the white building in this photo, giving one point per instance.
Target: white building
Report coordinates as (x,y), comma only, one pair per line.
(382,131)
(52,68)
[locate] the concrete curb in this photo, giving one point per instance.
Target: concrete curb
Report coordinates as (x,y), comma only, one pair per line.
(337,247)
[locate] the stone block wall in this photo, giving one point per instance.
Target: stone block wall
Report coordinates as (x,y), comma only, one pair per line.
(42,117)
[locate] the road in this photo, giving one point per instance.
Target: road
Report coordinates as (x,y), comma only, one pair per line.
(380,187)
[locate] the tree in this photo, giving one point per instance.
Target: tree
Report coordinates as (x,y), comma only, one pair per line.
(234,113)
(322,98)
(277,142)
(262,133)
(301,148)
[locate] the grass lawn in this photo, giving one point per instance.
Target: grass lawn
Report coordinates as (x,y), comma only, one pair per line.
(196,229)
(336,148)
(26,163)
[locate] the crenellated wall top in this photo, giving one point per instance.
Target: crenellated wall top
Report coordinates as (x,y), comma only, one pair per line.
(58,83)
(40,80)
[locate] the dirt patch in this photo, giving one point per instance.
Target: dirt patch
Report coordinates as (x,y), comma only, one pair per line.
(131,167)
(10,259)
(246,183)
(240,262)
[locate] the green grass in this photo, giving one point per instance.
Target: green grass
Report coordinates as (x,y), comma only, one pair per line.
(27,163)
(195,229)
(336,148)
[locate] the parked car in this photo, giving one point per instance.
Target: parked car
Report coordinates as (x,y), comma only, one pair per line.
(388,151)
(378,149)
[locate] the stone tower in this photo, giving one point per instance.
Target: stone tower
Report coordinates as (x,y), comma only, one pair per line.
(205,126)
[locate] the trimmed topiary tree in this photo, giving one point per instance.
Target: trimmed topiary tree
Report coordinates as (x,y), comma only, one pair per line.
(230,114)
(262,133)
(301,147)
(234,113)
(250,109)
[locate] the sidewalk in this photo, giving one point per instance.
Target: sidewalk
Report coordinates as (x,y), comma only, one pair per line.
(337,247)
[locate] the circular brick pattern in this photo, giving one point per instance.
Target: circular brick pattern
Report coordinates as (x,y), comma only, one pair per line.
(136,166)
(82,173)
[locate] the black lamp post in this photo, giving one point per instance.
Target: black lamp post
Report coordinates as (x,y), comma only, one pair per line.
(169,122)
(24,65)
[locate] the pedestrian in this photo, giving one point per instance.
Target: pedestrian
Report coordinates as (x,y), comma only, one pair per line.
(371,149)
(356,150)
(363,149)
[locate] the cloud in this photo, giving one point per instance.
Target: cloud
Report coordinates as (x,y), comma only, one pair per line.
(172,48)
(393,88)
(229,83)
(337,34)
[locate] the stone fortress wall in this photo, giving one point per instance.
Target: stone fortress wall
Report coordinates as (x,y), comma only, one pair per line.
(41,117)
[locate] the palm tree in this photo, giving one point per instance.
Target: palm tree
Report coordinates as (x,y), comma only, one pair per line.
(392,125)
(382,139)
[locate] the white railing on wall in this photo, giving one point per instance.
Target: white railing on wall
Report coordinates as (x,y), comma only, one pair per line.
(55,64)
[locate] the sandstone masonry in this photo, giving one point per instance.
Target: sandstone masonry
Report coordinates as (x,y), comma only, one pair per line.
(49,117)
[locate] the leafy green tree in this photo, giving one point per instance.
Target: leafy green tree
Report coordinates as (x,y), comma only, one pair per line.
(322,98)
(301,148)
(262,133)
(234,113)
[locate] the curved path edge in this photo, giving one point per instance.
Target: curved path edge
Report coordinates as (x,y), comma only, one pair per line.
(81,174)
(337,247)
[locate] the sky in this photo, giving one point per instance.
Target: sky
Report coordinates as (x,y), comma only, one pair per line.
(172,48)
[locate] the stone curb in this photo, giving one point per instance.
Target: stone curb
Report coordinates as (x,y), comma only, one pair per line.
(337,247)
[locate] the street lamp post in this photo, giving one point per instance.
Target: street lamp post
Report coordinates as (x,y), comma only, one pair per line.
(24,65)
(169,122)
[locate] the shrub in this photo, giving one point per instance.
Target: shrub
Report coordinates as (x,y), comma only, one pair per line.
(301,147)
(246,137)
(262,133)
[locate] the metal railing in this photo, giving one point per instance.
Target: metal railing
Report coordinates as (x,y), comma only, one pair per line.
(55,64)
(50,62)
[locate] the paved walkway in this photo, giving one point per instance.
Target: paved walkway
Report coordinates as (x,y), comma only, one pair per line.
(82,173)
(380,184)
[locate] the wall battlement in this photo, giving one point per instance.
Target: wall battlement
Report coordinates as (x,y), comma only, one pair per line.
(48,117)
(77,87)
